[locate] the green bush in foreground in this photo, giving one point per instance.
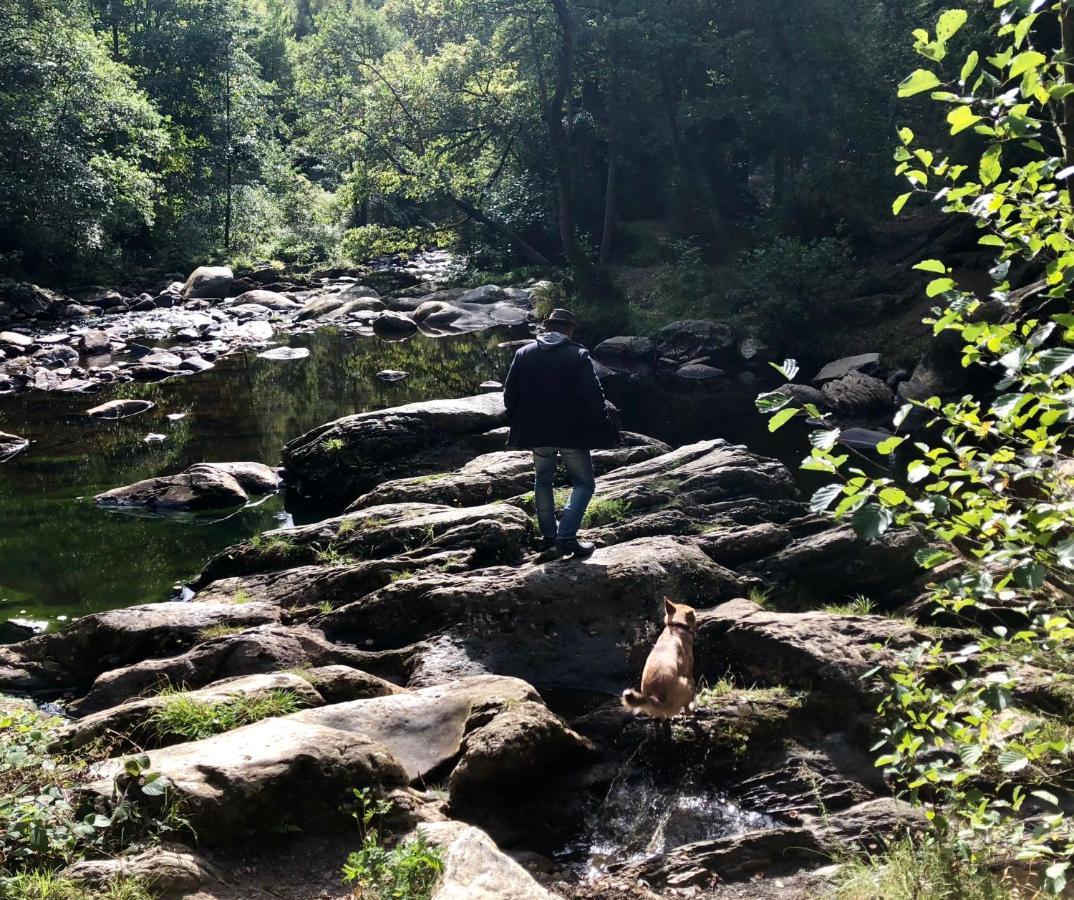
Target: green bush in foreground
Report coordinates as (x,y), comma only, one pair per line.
(407,871)
(988,479)
(46,886)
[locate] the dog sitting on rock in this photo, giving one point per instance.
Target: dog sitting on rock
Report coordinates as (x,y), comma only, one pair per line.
(667,682)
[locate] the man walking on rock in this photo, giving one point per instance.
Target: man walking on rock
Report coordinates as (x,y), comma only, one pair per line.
(556,408)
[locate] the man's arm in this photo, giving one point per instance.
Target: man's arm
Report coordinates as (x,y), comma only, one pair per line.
(589,388)
(511,385)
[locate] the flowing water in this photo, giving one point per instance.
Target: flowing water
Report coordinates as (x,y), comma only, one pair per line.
(62,557)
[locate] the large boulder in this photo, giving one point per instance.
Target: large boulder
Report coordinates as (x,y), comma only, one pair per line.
(21,300)
(628,349)
(199,488)
(268,299)
(393,325)
(120,409)
(582,624)
(332,307)
(696,340)
(208,281)
(857,394)
(94,342)
(340,460)
(80,651)
(817,650)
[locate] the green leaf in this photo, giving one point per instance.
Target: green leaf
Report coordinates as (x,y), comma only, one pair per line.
(970,753)
(918,81)
(931,265)
(1056,361)
(888,446)
(788,369)
(1046,796)
(1064,553)
(824,496)
(931,557)
(969,66)
(949,24)
(1024,61)
(900,202)
(771,401)
(870,521)
(961,118)
(906,135)
(156,787)
(991,167)
(1012,761)
(1030,575)
(825,440)
(781,418)
(939,286)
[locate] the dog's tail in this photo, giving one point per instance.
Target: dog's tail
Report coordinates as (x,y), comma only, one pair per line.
(635,701)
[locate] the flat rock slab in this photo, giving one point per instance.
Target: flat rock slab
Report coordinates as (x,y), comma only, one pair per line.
(167,870)
(863,362)
(120,409)
(285,353)
(818,650)
(340,460)
(569,623)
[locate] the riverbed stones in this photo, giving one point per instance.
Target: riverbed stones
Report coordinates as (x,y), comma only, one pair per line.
(120,409)
(340,460)
(267,299)
(208,281)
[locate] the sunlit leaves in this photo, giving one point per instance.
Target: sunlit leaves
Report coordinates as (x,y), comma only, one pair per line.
(917,82)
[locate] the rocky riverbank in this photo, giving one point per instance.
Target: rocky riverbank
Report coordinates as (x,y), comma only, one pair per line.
(435,657)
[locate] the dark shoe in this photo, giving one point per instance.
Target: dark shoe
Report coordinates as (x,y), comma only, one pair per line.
(574,547)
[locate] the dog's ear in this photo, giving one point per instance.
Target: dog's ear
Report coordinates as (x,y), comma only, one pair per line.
(669,607)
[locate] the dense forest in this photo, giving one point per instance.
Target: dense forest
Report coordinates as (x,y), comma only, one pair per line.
(151,135)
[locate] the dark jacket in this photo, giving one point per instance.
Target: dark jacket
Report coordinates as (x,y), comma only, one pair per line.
(554,399)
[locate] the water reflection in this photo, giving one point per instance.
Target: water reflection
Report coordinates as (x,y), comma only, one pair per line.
(61,556)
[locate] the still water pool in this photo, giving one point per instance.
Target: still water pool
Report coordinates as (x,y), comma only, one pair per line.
(62,557)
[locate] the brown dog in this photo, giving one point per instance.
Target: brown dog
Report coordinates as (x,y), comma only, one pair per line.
(667,682)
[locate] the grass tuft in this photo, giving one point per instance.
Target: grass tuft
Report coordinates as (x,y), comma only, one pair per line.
(188,718)
(44,885)
(858,606)
(218,631)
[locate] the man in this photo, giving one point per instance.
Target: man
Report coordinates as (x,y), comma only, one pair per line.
(556,408)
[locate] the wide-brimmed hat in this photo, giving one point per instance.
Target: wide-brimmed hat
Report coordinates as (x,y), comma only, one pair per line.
(562,316)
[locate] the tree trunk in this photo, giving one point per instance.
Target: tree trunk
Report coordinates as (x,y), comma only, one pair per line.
(227,147)
(524,247)
(608,232)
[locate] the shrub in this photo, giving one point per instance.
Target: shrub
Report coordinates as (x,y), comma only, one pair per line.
(367,242)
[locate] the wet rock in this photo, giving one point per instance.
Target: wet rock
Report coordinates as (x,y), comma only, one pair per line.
(393,325)
(285,353)
(688,340)
(75,311)
(862,438)
(391,375)
(201,487)
(339,306)
(857,394)
(338,461)
(132,719)
(339,684)
(120,409)
(866,363)
(475,868)
(255,650)
(773,852)
(571,623)
(162,358)
(15,343)
(11,445)
(83,649)
(523,743)
(699,374)
(143,372)
(876,822)
(254,478)
(625,348)
(208,281)
(195,364)
(166,870)
(438,313)
(268,299)
(755,352)
(94,343)
(812,649)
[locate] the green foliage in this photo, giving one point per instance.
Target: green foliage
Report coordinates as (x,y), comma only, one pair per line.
(45,823)
(859,606)
(988,480)
(218,631)
(370,241)
(190,719)
(407,871)
(604,512)
(43,885)
(913,868)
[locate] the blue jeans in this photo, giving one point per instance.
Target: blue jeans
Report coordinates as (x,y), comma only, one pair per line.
(579,465)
